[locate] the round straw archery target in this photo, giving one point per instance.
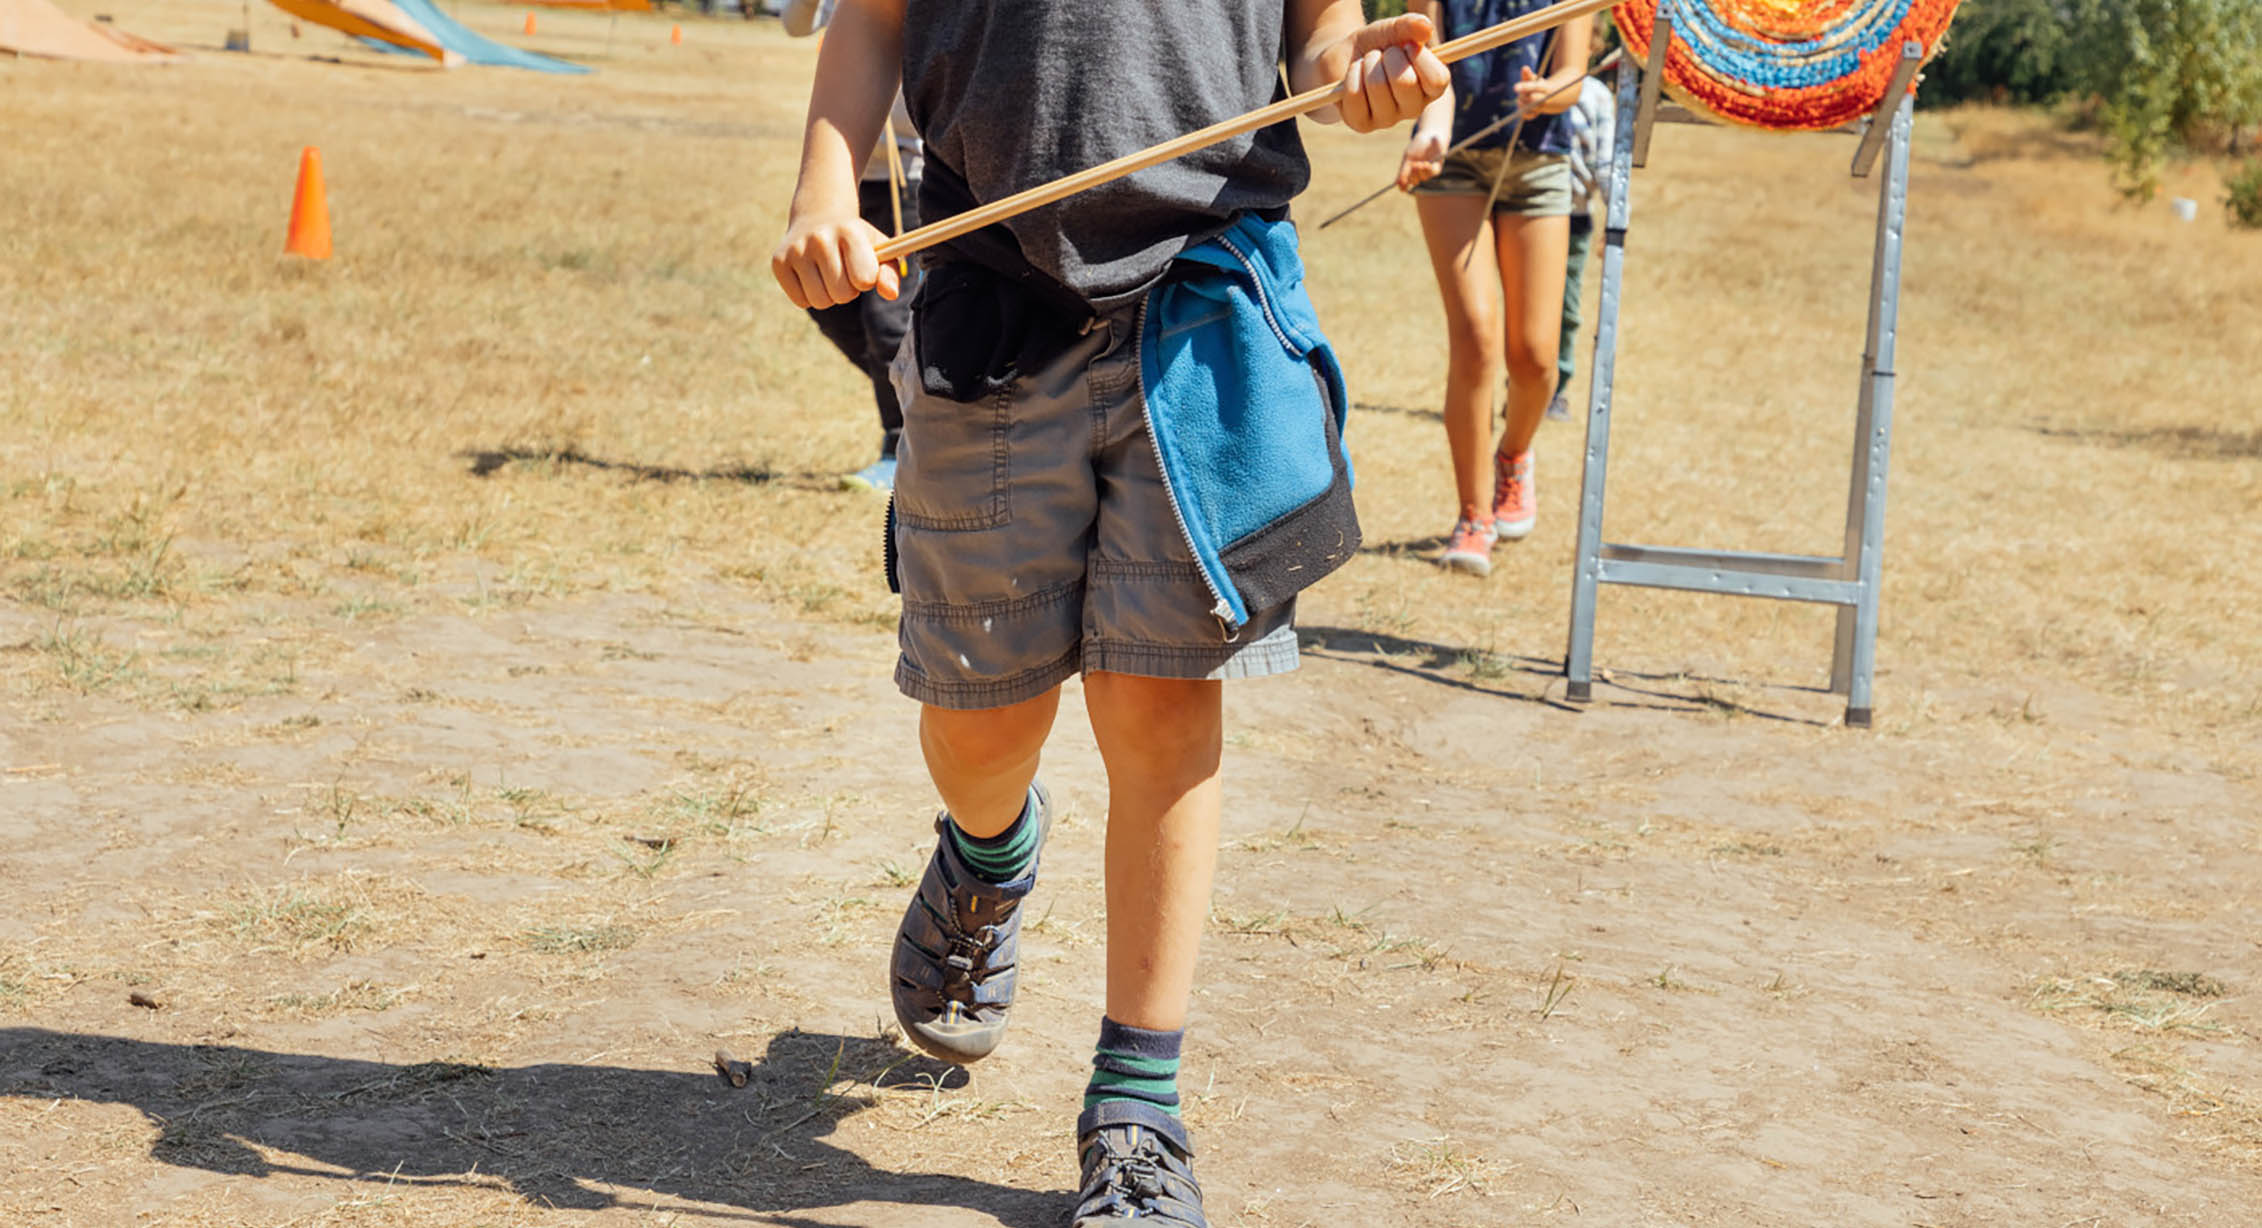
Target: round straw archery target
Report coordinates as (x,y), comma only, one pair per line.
(1789,64)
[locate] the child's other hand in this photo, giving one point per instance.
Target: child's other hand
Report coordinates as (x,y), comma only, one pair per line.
(1536,95)
(826,261)
(1424,159)
(1393,74)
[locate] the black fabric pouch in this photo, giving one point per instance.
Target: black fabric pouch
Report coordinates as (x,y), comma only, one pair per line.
(977,331)
(984,314)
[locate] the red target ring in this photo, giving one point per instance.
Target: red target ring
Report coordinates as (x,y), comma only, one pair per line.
(1796,65)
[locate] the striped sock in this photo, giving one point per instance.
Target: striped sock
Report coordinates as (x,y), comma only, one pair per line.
(1135,1064)
(1005,856)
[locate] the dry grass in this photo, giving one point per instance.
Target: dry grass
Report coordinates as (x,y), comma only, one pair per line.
(2170,1012)
(195,421)
(548,361)
(1440,1166)
(2035,468)
(548,367)
(2143,1000)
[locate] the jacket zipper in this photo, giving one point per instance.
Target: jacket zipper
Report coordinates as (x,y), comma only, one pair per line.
(1264,300)
(1222,611)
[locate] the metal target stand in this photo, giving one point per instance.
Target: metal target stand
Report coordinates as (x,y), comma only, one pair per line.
(1849,581)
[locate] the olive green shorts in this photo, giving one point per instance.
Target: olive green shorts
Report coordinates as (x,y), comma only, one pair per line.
(1535,185)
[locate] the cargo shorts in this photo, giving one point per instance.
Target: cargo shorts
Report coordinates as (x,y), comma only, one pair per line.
(1532,184)
(1034,537)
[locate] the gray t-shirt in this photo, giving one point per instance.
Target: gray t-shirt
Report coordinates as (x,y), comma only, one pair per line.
(1010,94)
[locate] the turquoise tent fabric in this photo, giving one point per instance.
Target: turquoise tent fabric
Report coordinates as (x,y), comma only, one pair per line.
(476,48)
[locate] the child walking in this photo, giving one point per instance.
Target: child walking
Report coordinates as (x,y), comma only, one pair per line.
(1121,456)
(1496,217)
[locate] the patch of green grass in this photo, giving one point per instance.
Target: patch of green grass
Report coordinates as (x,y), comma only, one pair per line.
(30,549)
(84,662)
(299,918)
(646,856)
(1295,837)
(1349,920)
(532,808)
(1270,924)
(2186,984)
(352,996)
(1439,1166)
(48,587)
(355,609)
(563,940)
(1414,952)
(1783,989)
(65,590)
(721,809)
(1484,666)
(2145,1000)
(341,807)
(128,558)
(207,650)
(1558,991)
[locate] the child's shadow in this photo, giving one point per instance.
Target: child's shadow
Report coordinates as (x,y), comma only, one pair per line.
(554,1133)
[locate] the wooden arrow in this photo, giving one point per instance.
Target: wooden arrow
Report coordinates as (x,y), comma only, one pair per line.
(1287,108)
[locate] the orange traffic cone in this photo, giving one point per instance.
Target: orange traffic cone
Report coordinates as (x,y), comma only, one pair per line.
(530,23)
(310,211)
(675,35)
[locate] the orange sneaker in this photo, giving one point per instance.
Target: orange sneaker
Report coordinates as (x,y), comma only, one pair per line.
(1469,548)
(1515,501)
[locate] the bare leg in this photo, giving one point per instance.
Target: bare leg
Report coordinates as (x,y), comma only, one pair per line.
(982,761)
(1468,282)
(1161,739)
(1532,255)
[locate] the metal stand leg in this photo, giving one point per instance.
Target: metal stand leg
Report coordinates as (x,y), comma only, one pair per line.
(1578,658)
(1850,581)
(1854,662)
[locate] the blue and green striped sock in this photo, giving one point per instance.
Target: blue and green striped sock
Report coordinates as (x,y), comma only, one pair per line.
(1135,1064)
(1005,856)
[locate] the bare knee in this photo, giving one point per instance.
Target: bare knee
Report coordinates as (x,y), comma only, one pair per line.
(988,741)
(1473,345)
(1532,360)
(1160,725)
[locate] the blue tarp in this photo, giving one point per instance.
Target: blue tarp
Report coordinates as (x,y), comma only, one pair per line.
(476,48)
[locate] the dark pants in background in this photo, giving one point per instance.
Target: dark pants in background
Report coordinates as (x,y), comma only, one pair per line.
(1574,273)
(868,330)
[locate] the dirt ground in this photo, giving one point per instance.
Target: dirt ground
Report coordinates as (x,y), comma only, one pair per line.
(443,701)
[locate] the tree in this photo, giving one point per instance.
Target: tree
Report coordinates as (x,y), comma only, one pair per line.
(2008,51)
(2171,73)
(2162,74)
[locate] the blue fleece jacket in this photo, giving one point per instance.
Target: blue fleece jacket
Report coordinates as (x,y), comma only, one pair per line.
(1246,407)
